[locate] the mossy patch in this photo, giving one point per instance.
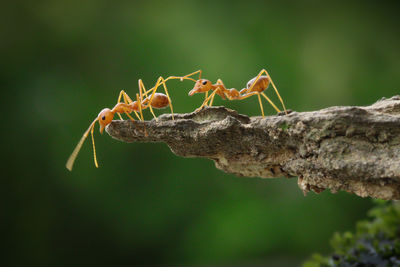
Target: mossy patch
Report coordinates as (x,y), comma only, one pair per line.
(376,242)
(284,126)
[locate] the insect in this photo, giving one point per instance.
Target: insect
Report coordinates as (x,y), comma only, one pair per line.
(255,86)
(155,100)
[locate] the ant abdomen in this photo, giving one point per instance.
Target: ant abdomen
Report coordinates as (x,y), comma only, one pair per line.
(159,101)
(261,84)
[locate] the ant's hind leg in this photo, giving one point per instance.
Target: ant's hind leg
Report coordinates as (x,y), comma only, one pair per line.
(276,90)
(259,100)
(255,81)
(261,106)
(249,90)
(169,99)
(269,100)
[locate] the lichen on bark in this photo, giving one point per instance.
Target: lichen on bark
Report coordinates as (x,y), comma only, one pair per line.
(356,149)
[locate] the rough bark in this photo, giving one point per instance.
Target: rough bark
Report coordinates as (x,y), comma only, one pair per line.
(356,149)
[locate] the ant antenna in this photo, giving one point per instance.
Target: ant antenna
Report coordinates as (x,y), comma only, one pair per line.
(71,159)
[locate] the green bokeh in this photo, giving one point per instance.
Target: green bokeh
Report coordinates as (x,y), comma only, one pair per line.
(63,61)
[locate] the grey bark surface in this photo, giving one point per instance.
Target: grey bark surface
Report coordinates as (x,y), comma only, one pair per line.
(356,149)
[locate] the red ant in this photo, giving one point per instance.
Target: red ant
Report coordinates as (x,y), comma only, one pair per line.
(255,86)
(155,100)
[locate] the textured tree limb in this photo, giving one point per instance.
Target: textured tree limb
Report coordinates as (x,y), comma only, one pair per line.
(356,149)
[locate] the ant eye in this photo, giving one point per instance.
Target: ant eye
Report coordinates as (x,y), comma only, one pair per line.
(103,118)
(204,83)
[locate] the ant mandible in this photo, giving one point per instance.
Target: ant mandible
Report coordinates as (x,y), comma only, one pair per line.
(156,100)
(255,86)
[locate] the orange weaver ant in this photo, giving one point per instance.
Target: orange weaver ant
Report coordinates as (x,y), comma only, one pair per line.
(255,86)
(155,100)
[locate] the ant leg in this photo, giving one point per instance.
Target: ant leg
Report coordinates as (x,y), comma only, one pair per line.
(126,97)
(137,115)
(127,100)
(120,117)
(186,77)
(152,96)
(180,78)
(119,100)
(206,100)
(261,106)
(212,99)
(219,81)
(122,108)
(269,100)
(193,73)
(141,87)
(255,81)
(160,81)
(139,100)
(251,94)
(257,93)
(169,99)
(120,95)
(276,90)
(130,117)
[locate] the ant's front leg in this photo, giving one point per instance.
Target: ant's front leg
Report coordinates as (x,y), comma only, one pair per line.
(219,82)
(191,74)
(121,94)
(206,101)
(127,100)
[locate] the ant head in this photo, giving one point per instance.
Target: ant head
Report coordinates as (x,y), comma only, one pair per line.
(105,117)
(201,86)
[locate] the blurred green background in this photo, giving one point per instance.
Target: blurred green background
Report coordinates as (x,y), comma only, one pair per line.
(63,61)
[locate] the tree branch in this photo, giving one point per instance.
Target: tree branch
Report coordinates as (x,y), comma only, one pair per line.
(356,149)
